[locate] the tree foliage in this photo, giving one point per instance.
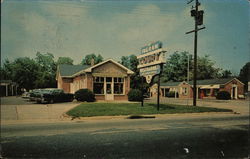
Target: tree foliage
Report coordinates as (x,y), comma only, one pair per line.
(24,71)
(226,74)
(30,73)
(177,64)
(47,71)
(244,75)
(176,67)
(131,62)
(64,60)
(89,57)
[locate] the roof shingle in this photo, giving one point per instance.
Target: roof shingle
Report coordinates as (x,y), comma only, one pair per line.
(69,70)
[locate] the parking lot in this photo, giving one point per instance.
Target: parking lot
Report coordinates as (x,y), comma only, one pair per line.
(17,108)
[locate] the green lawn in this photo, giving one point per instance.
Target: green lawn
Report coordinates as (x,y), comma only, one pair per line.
(110,109)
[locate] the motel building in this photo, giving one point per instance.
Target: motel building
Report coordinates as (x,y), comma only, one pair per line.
(109,80)
(205,88)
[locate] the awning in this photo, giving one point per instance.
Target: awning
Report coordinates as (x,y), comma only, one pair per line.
(209,86)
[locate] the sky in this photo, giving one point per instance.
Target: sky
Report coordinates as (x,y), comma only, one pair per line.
(116,28)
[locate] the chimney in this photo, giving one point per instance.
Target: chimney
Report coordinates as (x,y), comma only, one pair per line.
(92,62)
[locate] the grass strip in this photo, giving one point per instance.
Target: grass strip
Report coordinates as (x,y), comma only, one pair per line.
(116,109)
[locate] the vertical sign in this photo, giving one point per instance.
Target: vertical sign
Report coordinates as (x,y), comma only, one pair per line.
(151,61)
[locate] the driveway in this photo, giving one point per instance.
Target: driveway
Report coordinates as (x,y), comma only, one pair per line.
(19,109)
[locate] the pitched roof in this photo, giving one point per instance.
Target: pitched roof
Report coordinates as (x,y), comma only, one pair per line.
(213,81)
(203,82)
(109,60)
(74,70)
(69,70)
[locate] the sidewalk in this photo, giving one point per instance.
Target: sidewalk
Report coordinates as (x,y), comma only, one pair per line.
(51,113)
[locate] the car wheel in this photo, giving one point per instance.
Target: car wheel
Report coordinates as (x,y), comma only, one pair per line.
(51,101)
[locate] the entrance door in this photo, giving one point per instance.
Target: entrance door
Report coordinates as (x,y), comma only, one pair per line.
(234,92)
(109,92)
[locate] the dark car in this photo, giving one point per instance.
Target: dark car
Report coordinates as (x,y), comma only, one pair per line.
(33,94)
(53,95)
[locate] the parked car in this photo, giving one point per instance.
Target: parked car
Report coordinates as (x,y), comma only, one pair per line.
(53,95)
(33,94)
(26,95)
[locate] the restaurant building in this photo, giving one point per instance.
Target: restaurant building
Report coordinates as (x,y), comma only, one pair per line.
(109,80)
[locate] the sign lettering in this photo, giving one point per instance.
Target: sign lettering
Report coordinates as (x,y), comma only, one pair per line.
(150,59)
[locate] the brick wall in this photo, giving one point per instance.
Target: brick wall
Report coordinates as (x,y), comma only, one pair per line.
(189,93)
(120,97)
(229,86)
(89,81)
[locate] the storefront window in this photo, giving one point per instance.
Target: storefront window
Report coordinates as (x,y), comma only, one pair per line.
(118,85)
(99,85)
(108,79)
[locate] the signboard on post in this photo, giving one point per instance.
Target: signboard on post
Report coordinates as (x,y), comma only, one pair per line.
(149,72)
(151,61)
(152,56)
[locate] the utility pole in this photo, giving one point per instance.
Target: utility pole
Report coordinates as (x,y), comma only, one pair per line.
(188,78)
(198,17)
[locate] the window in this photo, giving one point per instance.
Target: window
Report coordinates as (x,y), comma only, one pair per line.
(99,85)
(184,90)
(206,92)
(108,79)
(216,92)
(118,85)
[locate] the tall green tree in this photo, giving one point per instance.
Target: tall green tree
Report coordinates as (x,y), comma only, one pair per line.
(89,57)
(125,61)
(132,62)
(47,70)
(24,71)
(206,68)
(7,70)
(244,75)
(64,60)
(176,67)
(226,74)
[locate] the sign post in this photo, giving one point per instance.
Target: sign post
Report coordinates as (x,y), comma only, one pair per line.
(151,62)
(142,91)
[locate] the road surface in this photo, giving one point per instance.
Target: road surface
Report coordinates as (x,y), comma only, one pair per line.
(197,137)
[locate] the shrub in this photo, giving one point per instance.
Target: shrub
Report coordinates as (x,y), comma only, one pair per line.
(134,95)
(223,95)
(85,95)
(171,94)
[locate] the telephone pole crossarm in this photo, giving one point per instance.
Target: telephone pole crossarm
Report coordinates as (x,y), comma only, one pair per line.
(194,30)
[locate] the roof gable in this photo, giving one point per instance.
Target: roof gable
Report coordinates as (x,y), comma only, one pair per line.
(109,60)
(70,70)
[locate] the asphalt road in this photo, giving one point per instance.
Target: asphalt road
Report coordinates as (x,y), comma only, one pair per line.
(203,137)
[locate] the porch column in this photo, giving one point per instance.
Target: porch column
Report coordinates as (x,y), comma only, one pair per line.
(197,92)
(12,90)
(6,89)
